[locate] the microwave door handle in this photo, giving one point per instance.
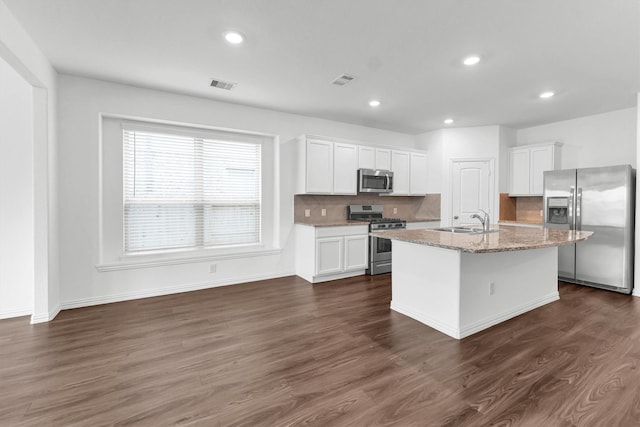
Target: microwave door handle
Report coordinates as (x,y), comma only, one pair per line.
(388,181)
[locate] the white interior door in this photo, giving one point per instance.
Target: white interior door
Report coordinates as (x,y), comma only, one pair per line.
(471,190)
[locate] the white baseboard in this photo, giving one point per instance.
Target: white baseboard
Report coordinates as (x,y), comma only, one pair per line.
(46,317)
(426,319)
(320,279)
(461,332)
(7,314)
(499,318)
(148,293)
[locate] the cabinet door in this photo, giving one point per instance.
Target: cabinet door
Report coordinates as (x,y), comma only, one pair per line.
(519,172)
(366,157)
(418,176)
(329,256)
(541,159)
(383,159)
(355,252)
(400,168)
(345,169)
(319,162)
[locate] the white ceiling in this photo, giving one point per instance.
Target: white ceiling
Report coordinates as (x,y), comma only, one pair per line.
(406,53)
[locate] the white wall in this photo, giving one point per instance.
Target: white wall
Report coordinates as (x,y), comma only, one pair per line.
(600,140)
(481,142)
(24,56)
(16,193)
(636,277)
(80,102)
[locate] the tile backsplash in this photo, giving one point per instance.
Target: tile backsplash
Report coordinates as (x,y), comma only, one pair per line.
(407,207)
(521,209)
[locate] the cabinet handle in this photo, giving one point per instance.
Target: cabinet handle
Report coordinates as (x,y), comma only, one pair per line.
(455,217)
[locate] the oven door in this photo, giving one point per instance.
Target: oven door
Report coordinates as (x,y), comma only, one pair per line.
(380,249)
(379,256)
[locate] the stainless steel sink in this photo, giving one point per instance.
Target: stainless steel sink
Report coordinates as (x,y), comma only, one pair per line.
(465,230)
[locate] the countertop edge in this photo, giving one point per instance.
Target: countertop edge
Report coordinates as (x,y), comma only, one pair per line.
(462,248)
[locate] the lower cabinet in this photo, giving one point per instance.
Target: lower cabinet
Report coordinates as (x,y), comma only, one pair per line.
(329,253)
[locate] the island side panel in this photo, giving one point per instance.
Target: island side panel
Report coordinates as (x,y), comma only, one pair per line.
(426,285)
(522,281)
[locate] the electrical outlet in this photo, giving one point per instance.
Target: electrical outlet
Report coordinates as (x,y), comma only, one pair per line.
(323,212)
(213,268)
(492,288)
(395,210)
(540,212)
(307,212)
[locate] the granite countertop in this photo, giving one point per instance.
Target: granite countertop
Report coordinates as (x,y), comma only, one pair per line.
(509,238)
(341,222)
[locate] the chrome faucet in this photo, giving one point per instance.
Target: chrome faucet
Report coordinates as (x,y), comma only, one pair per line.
(484,220)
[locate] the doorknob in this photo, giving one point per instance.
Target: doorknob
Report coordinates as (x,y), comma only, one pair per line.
(455,217)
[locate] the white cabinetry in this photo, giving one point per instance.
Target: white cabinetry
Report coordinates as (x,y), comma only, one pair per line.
(345,174)
(330,166)
(409,173)
(326,167)
(374,158)
(527,164)
(418,174)
(318,160)
(329,253)
(400,164)
(383,159)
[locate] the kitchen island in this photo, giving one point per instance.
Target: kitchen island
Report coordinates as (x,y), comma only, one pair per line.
(461,284)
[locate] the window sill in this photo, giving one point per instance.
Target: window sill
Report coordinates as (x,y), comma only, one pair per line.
(129,263)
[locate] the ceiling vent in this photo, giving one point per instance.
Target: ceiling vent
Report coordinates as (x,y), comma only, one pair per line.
(222,84)
(343,79)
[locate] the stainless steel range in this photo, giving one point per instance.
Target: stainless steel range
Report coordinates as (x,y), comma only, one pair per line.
(379,249)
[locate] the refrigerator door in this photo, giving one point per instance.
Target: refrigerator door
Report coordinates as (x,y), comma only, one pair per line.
(605,205)
(559,212)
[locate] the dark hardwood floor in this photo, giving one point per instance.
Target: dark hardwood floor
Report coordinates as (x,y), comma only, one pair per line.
(284,352)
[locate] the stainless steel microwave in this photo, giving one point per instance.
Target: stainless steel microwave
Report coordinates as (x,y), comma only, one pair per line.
(375,181)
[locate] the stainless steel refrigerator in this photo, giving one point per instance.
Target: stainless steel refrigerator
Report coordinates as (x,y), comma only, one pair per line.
(601,200)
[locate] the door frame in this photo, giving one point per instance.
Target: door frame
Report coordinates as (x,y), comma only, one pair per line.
(448,217)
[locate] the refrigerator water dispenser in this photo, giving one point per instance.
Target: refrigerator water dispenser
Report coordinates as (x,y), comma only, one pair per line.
(558,210)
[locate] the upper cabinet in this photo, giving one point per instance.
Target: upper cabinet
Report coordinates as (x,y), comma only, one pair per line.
(345,173)
(409,173)
(374,158)
(330,166)
(527,164)
(400,164)
(418,174)
(326,167)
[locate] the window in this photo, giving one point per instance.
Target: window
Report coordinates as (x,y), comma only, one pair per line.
(189,190)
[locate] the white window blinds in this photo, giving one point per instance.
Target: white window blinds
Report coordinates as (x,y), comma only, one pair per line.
(183,191)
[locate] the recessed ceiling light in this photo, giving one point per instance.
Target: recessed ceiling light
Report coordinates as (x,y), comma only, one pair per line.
(548,94)
(448,121)
(374,103)
(233,37)
(471,60)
